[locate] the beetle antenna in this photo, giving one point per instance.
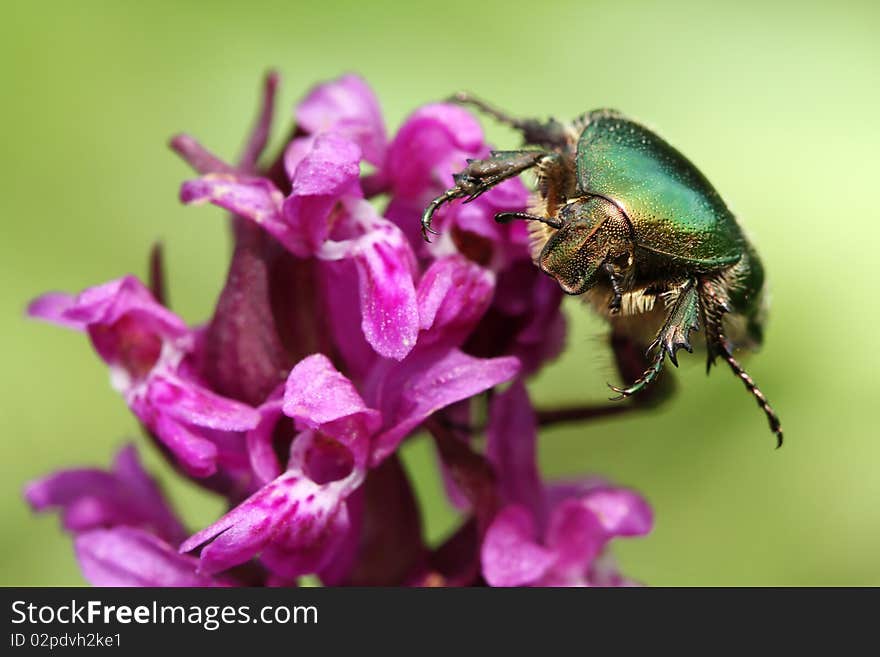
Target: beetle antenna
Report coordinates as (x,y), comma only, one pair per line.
(750,385)
(507,217)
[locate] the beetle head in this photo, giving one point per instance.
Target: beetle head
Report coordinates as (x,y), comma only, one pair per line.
(594,231)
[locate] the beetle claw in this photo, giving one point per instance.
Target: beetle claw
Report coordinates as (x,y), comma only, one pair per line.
(622,393)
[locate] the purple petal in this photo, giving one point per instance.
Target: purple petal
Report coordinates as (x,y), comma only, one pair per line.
(581,526)
(67,487)
(261,452)
(510,556)
(428,381)
(326,175)
(188,402)
(390,317)
(620,511)
(300,552)
(452,297)
(577,537)
(342,298)
(295,152)
(91,498)
(127,467)
(131,557)
(432,143)
(337,570)
(349,107)
(255,199)
(295,523)
(322,398)
(511,448)
(51,307)
(196,454)
(104,305)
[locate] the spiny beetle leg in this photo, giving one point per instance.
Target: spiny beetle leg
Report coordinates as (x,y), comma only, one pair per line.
(716,305)
(631,362)
(479,176)
(681,319)
(549,134)
(752,387)
(644,380)
(616,279)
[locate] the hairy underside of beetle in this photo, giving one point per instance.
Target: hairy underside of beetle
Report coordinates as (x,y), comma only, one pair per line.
(644,304)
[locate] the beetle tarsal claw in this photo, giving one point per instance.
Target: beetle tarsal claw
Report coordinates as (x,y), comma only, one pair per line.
(433,206)
(643,381)
(622,393)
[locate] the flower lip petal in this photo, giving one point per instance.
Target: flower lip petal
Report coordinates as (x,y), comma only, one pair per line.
(510,555)
(318,395)
(577,537)
(295,524)
(326,175)
(622,512)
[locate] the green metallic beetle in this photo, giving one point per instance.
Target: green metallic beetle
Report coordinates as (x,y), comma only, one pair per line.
(624,219)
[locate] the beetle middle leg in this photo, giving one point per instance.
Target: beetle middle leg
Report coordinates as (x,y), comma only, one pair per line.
(615,276)
(481,175)
(630,362)
(681,318)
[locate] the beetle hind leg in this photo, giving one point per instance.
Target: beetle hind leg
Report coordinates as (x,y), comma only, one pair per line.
(751,386)
(715,306)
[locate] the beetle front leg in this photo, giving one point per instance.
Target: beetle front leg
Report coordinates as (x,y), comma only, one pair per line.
(481,175)
(682,318)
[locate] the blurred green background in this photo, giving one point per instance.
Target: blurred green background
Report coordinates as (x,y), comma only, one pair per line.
(776,102)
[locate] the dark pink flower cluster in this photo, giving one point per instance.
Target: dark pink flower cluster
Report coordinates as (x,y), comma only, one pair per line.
(339,333)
